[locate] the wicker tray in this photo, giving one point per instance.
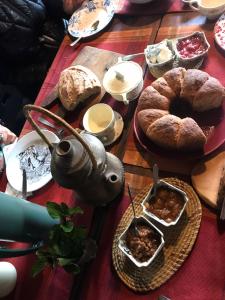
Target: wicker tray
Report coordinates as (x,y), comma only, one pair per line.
(179,240)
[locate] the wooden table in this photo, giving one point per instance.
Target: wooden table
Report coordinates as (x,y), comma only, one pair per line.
(126,34)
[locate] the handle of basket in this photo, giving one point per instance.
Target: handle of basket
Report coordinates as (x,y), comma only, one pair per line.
(28,108)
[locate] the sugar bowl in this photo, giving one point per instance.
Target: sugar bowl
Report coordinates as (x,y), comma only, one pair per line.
(124,81)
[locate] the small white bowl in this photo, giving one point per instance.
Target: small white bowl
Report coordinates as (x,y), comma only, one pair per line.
(127,252)
(151,48)
(204,41)
(162,183)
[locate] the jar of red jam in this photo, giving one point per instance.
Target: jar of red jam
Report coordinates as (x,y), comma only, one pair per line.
(192,46)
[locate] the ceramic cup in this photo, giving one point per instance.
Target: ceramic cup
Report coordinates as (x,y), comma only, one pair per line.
(124,81)
(99,120)
(212,9)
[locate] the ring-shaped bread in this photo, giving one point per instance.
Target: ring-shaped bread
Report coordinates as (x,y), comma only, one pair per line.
(197,88)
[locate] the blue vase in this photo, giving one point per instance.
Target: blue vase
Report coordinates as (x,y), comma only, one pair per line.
(23,221)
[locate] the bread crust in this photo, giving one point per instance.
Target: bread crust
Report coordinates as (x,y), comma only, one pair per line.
(209,96)
(192,82)
(76,84)
(163,88)
(190,136)
(164,131)
(175,79)
(147,116)
(151,98)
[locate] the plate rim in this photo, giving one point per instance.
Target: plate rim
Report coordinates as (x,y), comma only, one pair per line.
(12,154)
(100,28)
(222,17)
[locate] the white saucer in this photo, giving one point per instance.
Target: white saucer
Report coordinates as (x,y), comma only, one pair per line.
(118,128)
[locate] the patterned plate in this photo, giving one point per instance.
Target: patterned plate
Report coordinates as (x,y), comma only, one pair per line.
(91,18)
(219,32)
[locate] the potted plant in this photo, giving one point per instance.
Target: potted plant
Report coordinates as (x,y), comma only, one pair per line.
(68,245)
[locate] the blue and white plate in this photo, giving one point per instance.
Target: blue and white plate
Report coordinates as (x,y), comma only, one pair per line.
(92,17)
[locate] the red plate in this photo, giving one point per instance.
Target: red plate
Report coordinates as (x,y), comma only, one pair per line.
(219,32)
(215,138)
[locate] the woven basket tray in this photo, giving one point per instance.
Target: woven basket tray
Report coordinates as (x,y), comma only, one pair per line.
(179,240)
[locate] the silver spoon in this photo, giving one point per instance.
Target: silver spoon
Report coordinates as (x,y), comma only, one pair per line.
(132,204)
(93,27)
(129,56)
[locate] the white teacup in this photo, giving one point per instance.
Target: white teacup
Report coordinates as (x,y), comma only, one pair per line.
(99,120)
(124,81)
(212,9)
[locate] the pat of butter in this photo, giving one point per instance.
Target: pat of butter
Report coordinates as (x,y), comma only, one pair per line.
(159,53)
(164,55)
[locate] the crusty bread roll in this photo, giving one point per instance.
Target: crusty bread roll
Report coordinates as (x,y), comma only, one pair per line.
(190,136)
(76,84)
(147,116)
(193,80)
(195,87)
(163,88)
(174,79)
(164,131)
(209,96)
(150,98)
(175,133)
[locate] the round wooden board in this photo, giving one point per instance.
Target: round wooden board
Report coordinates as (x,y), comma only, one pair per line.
(179,240)
(206,178)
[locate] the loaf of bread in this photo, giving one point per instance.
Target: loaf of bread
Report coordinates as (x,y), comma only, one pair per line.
(76,84)
(178,86)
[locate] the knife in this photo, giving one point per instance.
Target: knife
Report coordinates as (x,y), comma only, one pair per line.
(51,98)
(24,185)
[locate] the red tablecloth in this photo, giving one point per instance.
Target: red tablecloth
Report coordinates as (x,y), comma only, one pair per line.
(152,8)
(203,274)
(201,277)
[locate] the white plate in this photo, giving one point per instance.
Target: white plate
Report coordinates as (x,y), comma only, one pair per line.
(80,24)
(219,32)
(37,168)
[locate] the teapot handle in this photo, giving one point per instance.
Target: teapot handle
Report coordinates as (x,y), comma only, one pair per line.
(5,253)
(29,107)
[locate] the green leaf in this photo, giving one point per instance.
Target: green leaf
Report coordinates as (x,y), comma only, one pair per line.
(54,210)
(67,227)
(39,265)
(72,268)
(65,261)
(75,210)
(79,233)
(64,209)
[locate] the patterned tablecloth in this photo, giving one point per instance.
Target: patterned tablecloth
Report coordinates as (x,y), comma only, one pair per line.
(202,276)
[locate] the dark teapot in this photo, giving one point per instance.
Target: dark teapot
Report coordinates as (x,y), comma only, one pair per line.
(80,162)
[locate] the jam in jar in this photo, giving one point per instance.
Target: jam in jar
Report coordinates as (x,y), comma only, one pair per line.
(142,242)
(191,46)
(166,204)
